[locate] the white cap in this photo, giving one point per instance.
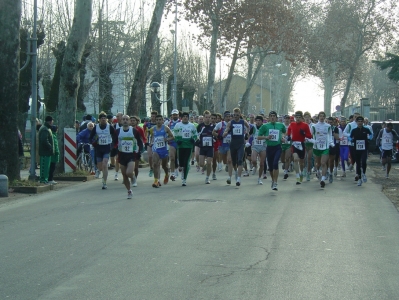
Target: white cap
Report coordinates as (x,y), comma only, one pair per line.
(175,111)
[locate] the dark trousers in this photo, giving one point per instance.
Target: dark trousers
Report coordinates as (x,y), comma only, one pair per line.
(51,171)
(361,161)
(184,159)
(44,168)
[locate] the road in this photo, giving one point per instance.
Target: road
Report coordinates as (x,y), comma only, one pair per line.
(201,242)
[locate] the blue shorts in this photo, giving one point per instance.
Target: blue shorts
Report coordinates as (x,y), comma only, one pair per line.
(224,149)
(173,144)
(161,153)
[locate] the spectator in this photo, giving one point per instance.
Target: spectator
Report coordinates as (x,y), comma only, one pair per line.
(83,126)
(46,149)
(55,158)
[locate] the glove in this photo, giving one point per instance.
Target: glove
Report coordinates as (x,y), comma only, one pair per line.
(247,145)
(179,142)
(301,131)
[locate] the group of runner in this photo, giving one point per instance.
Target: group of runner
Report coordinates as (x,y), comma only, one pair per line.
(301,143)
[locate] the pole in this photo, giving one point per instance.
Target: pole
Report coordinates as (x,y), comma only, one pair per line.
(174,101)
(33,109)
(261,89)
(270,90)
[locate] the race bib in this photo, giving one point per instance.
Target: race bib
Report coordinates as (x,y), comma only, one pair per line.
(127,146)
(227,139)
(104,139)
(257,142)
(207,141)
(159,142)
(361,145)
(344,141)
(186,134)
(321,143)
(297,145)
(274,135)
(237,129)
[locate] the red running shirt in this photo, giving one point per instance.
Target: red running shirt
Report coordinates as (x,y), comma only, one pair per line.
(294,128)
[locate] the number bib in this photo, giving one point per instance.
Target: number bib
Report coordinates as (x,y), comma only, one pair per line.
(207,141)
(321,143)
(275,134)
(159,142)
(104,139)
(186,134)
(227,139)
(127,146)
(344,141)
(297,145)
(237,129)
(361,145)
(257,142)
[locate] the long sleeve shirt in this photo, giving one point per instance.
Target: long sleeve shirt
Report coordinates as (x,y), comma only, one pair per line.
(294,130)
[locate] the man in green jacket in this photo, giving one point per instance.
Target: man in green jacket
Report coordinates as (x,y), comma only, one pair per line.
(46,149)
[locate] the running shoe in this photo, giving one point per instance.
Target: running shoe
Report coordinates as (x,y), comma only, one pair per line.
(272,184)
(134,184)
(246,174)
(192,163)
(274,188)
(198,168)
(228,180)
(151,173)
(254,171)
(344,174)
(172,177)
(359,182)
(383,168)
(351,168)
(104,186)
(322,184)
(220,167)
(202,171)
(264,176)
(285,175)
(335,172)
(330,179)
(183,183)
(97,174)
(356,177)
(129,194)
(260,181)
(238,183)
(307,177)
(116,177)
(298,182)
(156,185)
(52,182)
(214,176)
(387,176)
(364,178)
(166,179)
(207,180)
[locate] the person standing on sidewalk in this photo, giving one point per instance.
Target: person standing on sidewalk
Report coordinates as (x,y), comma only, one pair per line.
(46,149)
(55,158)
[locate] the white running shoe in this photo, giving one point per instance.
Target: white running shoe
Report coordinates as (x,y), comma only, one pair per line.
(207,180)
(245,174)
(335,172)
(359,182)
(116,177)
(97,174)
(274,188)
(130,194)
(134,183)
(214,176)
(254,171)
(364,178)
(104,186)
(183,183)
(220,167)
(260,181)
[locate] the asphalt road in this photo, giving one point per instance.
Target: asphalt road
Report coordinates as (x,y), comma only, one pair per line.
(201,242)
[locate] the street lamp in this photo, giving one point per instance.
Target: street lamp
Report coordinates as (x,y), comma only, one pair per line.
(174,86)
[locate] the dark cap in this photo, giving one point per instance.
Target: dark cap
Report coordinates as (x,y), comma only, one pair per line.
(88,117)
(359,118)
(109,117)
(49,119)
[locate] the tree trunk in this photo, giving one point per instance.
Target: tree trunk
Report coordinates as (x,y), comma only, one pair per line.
(329,83)
(52,103)
(82,92)
(10,15)
(349,82)
(140,78)
(69,82)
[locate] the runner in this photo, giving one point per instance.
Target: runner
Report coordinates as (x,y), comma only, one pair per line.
(272,132)
(360,137)
(216,144)
(117,123)
(347,131)
(385,140)
(160,136)
(297,132)
(147,126)
(236,128)
(173,161)
(258,148)
(308,147)
(286,154)
(103,137)
(129,147)
(134,121)
(206,144)
(333,150)
(224,148)
(185,135)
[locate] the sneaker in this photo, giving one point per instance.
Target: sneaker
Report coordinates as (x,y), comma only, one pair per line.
(228,180)
(335,172)
(274,188)
(327,175)
(330,179)
(166,179)
(238,183)
(307,177)
(351,168)
(104,186)
(198,168)
(220,167)
(298,182)
(260,181)
(52,182)
(387,176)
(207,180)
(97,174)
(272,184)
(264,176)
(246,174)
(134,184)
(322,184)
(202,171)
(359,182)
(172,177)
(155,185)
(254,170)
(383,168)
(129,194)
(116,177)
(285,176)
(151,173)
(183,182)
(364,178)
(214,176)
(343,174)
(356,177)
(192,163)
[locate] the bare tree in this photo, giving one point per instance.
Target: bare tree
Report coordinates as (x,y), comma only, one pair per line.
(69,83)
(10,15)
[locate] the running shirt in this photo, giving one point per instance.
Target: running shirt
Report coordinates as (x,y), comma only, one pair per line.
(294,130)
(128,140)
(322,136)
(171,124)
(205,135)
(185,133)
(275,130)
(360,138)
(254,132)
(237,130)
(386,139)
(159,142)
(343,140)
(220,128)
(348,129)
(147,127)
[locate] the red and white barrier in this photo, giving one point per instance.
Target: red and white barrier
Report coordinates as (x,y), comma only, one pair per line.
(69,150)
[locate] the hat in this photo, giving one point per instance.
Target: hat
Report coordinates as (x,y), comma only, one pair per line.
(109,117)
(175,112)
(88,118)
(359,118)
(49,119)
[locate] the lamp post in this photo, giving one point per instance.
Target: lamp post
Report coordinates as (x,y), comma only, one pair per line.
(174,86)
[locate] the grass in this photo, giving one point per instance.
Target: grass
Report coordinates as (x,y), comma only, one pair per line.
(24,183)
(75,173)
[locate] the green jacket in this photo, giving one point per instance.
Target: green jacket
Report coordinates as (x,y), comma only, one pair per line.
(55,158)
(46,142)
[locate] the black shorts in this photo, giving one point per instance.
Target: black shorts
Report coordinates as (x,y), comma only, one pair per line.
(386,153)
(248,151)
(333,150)
(125,158)
(206,151)
(114,152)
(301,153)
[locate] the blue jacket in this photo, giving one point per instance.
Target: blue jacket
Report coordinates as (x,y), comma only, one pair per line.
(83,136)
